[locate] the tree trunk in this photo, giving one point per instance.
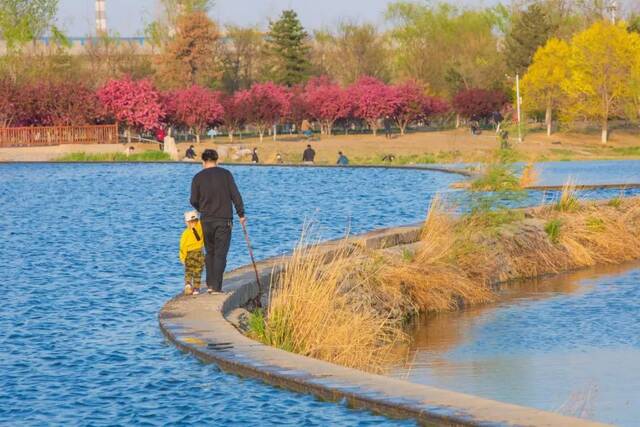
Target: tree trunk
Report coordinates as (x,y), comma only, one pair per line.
(275,132)
(457,121)
(261,133)
(548,119)
(329,128)
(230,135)
(374,127)
(605,132)
(128,134)
(198,137)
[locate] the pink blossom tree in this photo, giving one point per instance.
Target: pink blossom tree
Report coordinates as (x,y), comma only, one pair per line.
(298,105)
(327,102)
(50,103)
(373,100)
(411,104)
(236,110)
(267,104)
(478,103)
(136,104)
(195,108)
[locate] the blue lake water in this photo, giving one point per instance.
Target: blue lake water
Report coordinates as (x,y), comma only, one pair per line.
(88,255)
(569,344)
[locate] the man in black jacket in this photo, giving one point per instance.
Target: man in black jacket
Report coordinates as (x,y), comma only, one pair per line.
(213,190)
(309,155)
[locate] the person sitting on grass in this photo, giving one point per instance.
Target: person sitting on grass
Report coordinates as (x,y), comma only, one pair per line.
(190,153)
(191,253)
(309,155)
(342,159)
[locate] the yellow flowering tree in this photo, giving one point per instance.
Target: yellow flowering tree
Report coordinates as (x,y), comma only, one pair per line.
(542,83)
(603,74)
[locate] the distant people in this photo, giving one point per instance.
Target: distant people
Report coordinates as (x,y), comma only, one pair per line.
(309,155)
(504,140)
(191,255)
(475,128)
(388,158)
(129,151)
(306,129)
(190,153)
(342,159)
(387,127)
(254,156)
(160,134)
(279,158)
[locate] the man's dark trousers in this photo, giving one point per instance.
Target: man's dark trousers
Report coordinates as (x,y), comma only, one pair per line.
(217,239)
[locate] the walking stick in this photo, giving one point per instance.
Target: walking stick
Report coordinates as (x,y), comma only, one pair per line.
(258,302)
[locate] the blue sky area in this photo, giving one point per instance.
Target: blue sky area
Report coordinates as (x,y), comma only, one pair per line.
(128,17)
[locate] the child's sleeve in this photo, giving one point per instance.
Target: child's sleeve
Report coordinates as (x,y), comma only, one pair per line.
(183,251)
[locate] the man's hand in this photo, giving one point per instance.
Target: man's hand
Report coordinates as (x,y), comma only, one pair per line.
(243,221)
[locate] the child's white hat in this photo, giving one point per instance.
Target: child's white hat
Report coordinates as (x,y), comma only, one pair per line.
(191,216)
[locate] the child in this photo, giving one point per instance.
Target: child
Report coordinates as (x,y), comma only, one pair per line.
(191,255)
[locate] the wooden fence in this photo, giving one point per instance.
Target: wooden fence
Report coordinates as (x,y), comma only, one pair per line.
(56,135)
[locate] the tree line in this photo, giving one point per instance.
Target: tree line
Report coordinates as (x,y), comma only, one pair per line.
(453,53)
(139,106)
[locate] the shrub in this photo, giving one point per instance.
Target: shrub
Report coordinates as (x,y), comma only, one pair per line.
(568,200)
(552,228)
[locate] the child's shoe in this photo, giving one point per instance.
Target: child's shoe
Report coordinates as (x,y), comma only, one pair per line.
(188,290)
(196,291)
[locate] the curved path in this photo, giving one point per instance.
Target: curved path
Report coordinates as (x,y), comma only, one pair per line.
(198,325)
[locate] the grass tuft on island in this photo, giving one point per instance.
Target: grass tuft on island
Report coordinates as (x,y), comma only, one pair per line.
(352,310)
(144,156)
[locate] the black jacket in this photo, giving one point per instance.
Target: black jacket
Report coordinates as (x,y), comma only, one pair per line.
(308,155)
(212,192)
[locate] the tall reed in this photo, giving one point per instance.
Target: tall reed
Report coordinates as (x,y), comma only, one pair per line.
(314,311)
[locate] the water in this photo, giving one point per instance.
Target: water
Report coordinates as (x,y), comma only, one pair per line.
(569,344)
(88,255)
(589,172)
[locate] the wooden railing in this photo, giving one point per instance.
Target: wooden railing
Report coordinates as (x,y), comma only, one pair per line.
(56,135)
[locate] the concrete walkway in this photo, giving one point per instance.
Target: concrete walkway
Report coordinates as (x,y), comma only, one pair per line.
(198,325)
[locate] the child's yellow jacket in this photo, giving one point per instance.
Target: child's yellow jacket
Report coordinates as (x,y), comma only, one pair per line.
(192,240)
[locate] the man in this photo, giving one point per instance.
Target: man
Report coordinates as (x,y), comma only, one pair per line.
(309,155)
(387,127)
(342,159)
(213,190)
(190,153)
(254,156)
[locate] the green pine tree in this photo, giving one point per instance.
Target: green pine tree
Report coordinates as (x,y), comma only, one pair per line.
(288,48)
(530,30)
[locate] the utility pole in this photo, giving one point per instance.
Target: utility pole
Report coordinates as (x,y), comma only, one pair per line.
(518,101)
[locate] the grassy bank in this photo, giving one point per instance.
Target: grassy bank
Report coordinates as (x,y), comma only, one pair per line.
(145,156)
(352,310)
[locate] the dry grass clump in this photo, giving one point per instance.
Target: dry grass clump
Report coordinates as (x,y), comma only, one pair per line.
(568,200)
(431,281)
(314,311)
(350,308)
(601,233)
(529,176)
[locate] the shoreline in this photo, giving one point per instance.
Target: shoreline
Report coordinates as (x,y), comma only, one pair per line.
(199,326)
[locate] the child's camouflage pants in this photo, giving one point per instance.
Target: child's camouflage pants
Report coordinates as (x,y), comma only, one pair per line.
(193,265)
